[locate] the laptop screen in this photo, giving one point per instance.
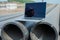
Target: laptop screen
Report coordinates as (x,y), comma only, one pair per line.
(35,10)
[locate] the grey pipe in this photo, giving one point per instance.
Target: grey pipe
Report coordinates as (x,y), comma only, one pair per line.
(17,30)
(43,31)
(14,31)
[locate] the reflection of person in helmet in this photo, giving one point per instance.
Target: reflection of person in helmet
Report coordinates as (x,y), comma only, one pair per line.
(30,12)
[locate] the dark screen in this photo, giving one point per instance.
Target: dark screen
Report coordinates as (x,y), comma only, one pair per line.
(35,10)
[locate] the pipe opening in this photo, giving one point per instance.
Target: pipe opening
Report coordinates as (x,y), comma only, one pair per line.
(44,32)
(12,32)
(59,33)
(0,38)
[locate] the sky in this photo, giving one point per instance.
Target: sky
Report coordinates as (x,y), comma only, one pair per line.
(50,1)
(3,0)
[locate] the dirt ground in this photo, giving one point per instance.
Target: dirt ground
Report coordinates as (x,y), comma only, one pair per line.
(20,8)
(5,12)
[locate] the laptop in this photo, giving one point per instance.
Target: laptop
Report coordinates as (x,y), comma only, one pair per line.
(35,11)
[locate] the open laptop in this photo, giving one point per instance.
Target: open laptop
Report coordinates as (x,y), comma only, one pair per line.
(35,11)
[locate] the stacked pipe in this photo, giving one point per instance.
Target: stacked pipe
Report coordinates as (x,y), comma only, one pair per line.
(14,31)
(18,30)
(43,31)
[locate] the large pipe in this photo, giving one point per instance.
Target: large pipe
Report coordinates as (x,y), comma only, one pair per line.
(18,30)
(14,31)
(43,31)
